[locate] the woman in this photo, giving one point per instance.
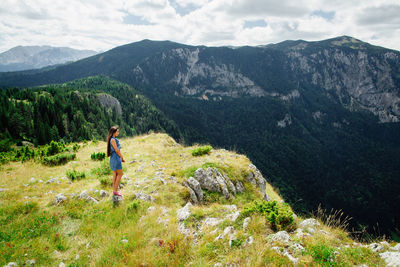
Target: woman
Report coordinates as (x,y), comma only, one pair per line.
(113,151)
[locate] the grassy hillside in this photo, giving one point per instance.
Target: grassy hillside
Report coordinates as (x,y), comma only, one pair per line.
(79,232)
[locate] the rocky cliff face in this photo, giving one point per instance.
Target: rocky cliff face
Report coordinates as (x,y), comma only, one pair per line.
(110,102)
(359,78)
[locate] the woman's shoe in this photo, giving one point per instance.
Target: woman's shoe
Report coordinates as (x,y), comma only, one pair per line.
(117,194)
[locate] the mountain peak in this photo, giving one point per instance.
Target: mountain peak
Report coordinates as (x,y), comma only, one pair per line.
(34,57)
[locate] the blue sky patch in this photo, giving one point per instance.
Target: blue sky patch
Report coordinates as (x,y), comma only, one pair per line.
(254,23)
(135,20)
(326,15)
(183,10)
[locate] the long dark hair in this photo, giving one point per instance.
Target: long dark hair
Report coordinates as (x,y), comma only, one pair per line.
(111,132)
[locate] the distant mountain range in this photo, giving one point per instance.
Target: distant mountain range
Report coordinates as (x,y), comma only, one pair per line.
(35,57)
(320,119)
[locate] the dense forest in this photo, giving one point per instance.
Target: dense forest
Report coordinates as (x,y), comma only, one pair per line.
(74,112)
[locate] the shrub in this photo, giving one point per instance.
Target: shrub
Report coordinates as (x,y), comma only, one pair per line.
(58,159)
(54,148)
(5,145)
(105,181)
(237,243)
(98,156)
(134,206)
(76,147)
(201,150)
(279,216)
(76,175)
(323,254)
(103,169)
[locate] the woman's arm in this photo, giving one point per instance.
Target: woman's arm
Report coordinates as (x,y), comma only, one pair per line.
(114,144)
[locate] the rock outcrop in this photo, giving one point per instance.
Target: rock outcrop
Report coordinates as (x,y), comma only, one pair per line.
(212,180)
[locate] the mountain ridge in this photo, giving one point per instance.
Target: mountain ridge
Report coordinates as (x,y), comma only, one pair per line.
(35,57)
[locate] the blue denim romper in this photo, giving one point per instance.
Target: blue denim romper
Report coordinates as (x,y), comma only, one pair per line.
(115,160)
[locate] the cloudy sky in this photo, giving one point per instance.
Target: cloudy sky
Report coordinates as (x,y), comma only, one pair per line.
(103,24)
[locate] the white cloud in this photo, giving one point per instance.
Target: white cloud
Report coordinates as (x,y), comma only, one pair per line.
(103,24)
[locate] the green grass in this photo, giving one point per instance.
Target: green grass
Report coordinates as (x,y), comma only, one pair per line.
(200,151)
(33,225)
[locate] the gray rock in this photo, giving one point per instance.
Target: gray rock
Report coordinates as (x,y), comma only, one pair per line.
(297,248)
(193,196)
(233,217)
(117,199)
(150,209)
(30,263)
(284,252)
(11,264)
(376,247)
(222,184)
(195,185)
(3,189)
(52,180)
(212,221)
(163,221)
(212,180)
(227,231)
(232,188)
(246,223)
(251,178)
(85,195)
(206,180)
(396,248)
(309,223)
(140,168)
(300,234)
(62,264)
(249,240)
(124,241)
(182,229)
(239,187)
(391,258)
(32,180)
(103,193)
(261,182)
(60,198)
(184,212)
(173,179)
(281,236)
(145,197)
(255,177)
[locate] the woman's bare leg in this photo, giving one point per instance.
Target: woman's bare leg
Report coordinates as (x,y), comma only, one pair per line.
(117,180)
(114,180)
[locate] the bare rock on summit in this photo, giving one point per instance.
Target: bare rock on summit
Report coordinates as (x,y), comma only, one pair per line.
(195,186)
(206,179)
(239,187)
(212,180)
(255,177)
(391,258)
(184,212)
